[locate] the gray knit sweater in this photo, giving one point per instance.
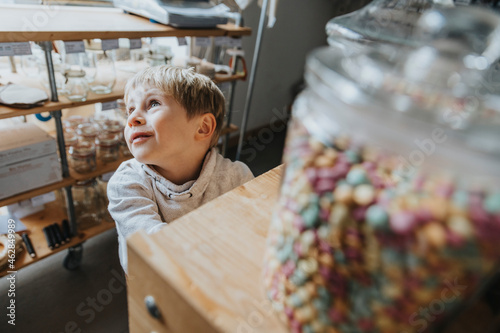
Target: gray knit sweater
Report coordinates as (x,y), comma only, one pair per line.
(140,198)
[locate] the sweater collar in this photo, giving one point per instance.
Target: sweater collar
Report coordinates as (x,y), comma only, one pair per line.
(192,188)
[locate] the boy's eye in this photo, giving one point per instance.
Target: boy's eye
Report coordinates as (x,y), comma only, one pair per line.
(130,110)
(154,103)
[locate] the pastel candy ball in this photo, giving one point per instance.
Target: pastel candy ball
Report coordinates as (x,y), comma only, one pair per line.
(460,226)
(402,222)
(435,234)
(357,177)
(460,198)
(377,217)
(343,193)
(364,194)
(492,203)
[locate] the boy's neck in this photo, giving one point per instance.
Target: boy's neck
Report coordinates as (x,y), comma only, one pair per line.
(183,171)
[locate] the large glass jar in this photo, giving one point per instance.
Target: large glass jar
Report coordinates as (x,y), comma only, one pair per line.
(102,75)
(89,203)
(389,208)
(76,86)
(88,131)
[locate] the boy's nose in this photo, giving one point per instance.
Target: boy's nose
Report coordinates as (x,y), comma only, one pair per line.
(136,120)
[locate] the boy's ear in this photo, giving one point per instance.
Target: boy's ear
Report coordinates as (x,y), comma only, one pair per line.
(206,127)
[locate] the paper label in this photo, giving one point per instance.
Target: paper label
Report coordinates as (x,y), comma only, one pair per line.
(109,105)
(135,43)
(202,41)
(221,41)
(182,41)
(15,49)
(109,44)
(21,48)
(6,49)
(76,46)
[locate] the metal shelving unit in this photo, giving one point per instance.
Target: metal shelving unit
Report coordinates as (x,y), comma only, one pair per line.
(78,23)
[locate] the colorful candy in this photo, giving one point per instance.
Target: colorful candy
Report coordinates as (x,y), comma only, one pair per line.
(355,247)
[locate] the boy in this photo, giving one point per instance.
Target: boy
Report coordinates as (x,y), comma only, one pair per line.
(174,121)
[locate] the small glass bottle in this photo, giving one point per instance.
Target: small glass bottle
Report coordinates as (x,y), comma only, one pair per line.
(82,157)
(88,132)
(89,203)
(108,147)
(76,86)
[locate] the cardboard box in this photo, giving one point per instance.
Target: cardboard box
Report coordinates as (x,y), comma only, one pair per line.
(27,175)
(24,141)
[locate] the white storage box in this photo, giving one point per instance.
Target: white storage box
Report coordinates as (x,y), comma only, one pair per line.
(30,174)
(24,141)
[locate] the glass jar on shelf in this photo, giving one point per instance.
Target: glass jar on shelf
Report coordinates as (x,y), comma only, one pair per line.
(391,187)
(89,203)
(82,157)
(70,138)
(102,76)
(88,131)
(115,127)
(73,121)
(108,147)
(76,86)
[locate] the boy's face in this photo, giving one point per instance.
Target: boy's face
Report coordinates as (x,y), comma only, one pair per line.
(158,130)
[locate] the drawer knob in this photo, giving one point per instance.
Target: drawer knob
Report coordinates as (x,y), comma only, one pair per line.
(151,306)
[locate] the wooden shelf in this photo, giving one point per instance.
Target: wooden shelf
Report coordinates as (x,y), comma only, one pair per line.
(78,23)
(221,78)
(101,169)
(38,191)
(64,103)
(53,212)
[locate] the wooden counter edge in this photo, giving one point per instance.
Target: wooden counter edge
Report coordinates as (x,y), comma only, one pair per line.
(138,245)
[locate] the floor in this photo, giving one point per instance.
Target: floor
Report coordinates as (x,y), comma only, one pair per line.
(93,299)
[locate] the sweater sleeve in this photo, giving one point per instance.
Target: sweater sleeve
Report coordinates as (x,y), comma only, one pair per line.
(132,206)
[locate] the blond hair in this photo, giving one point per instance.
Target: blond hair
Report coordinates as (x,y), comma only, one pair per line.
(195,92)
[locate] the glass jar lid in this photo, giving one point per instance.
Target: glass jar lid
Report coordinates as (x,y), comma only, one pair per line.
(381,21)
(107,140)
(73,121)
(88,130)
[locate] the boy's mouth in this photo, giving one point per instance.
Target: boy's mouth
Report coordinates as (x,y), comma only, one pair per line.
(140,137)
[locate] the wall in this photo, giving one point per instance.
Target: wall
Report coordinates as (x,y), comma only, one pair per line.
(300,28)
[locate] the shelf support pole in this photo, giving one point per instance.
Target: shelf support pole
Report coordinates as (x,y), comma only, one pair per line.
(255,61)
(47,48)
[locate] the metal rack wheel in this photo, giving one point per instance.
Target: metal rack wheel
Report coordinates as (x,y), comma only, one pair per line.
(74,257)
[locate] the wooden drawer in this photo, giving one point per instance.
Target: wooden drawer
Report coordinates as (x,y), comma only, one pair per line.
(176,314)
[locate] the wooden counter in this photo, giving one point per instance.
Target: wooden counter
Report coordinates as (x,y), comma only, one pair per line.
(204,270)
